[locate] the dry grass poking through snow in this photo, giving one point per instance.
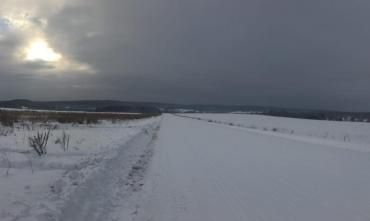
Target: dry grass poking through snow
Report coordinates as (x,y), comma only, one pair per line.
(9,117)
(32,183)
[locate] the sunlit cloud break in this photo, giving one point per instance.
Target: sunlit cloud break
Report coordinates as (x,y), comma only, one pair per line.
(39,50)
(28,27)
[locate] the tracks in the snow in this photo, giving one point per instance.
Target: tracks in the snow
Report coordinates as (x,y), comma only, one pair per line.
(116,179)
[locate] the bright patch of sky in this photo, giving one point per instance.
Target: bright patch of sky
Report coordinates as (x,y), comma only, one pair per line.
(26,28)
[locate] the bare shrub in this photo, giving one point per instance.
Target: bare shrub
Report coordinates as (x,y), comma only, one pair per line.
(5,131)
(64,141)
(25,126)
(5,156)
(346,138)
(30,163)
(39,142)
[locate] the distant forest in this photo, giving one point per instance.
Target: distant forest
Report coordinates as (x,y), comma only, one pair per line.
(154,108)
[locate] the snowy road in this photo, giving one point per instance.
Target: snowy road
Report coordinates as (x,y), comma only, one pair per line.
(208,172)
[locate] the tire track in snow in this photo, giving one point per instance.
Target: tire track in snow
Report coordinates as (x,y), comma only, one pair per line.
(100,195)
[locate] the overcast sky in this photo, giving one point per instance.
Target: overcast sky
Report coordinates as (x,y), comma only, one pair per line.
(289,53)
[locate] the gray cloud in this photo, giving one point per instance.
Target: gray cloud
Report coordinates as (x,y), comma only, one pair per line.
(310,54)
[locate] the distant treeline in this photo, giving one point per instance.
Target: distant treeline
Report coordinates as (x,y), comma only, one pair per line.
(129,109)
(334,116)
(86,106)
(156,108)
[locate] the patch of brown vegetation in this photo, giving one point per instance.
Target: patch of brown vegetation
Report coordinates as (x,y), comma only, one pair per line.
(9,117)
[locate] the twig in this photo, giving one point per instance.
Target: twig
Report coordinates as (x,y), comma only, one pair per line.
(9,164)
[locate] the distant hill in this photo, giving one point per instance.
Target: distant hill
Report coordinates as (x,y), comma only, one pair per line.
(93,105)
(83,105)
(129,109)
(152,107)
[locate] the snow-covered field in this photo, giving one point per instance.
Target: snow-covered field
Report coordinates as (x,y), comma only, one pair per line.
(198,167)
(208,171)
(347,135)
(40,188)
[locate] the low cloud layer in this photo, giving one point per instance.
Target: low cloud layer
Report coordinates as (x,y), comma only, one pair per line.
(307,54)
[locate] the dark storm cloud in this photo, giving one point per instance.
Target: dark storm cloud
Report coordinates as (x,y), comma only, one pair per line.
(310,54)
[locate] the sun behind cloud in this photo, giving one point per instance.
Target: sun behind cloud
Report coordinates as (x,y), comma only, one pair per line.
(39,50)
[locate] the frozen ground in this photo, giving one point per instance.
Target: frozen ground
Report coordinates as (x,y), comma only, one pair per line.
(215,168)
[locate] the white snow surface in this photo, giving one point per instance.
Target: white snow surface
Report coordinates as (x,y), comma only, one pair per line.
(210,167)
(60,184)
(345,135)
(206,171)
